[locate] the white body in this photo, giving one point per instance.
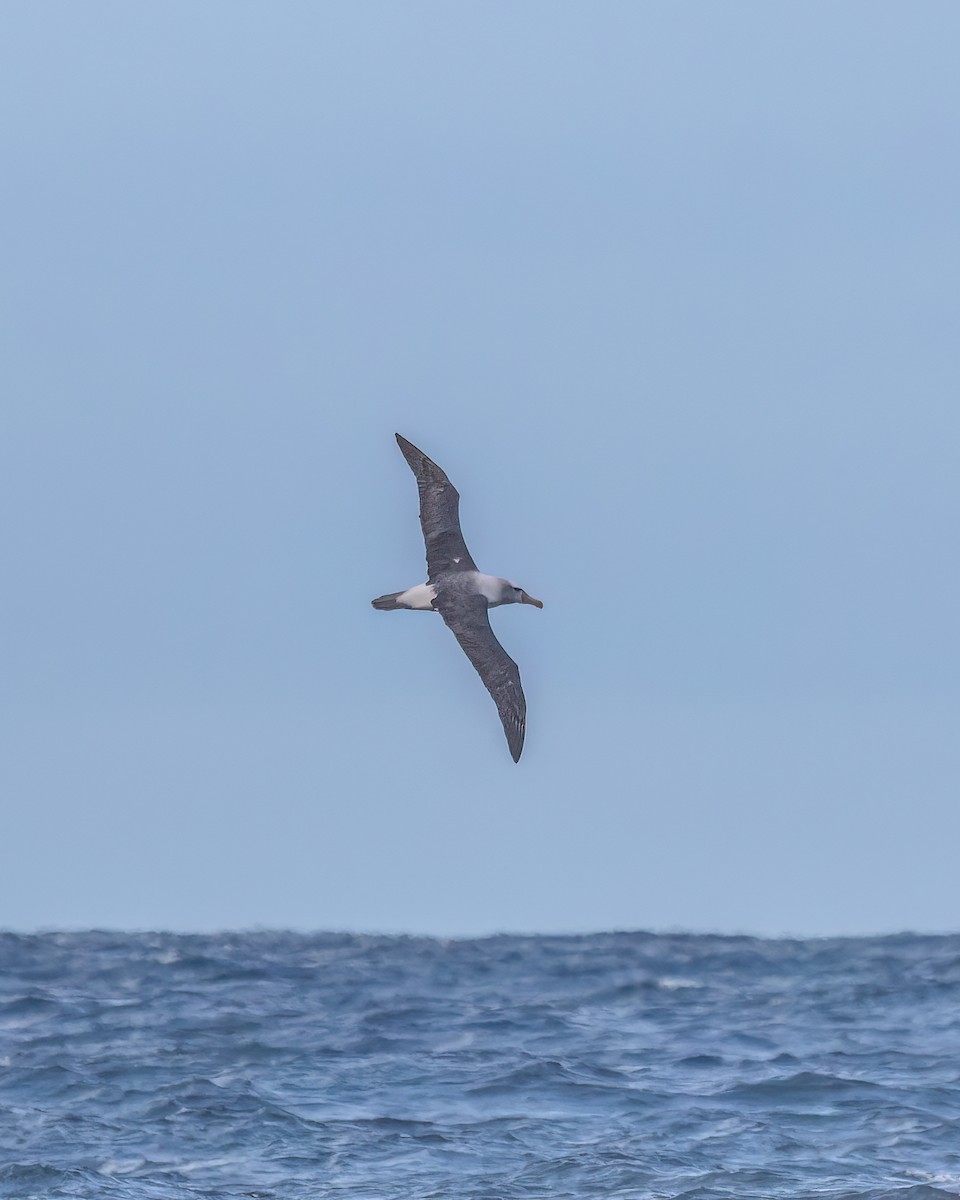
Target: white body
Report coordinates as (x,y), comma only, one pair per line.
(420,596)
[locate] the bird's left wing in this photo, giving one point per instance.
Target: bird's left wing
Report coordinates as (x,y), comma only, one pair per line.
(466,615)
(447,552)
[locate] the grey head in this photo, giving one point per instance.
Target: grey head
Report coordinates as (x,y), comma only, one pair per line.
(510,593)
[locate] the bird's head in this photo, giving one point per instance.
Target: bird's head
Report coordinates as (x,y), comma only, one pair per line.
(516,595)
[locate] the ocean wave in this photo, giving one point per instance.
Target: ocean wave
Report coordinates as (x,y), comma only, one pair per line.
(622,1066)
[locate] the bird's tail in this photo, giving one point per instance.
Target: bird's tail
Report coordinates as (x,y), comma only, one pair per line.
(386,603)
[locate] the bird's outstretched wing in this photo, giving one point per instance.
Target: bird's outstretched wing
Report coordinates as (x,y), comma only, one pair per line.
(466,615)
(439,515)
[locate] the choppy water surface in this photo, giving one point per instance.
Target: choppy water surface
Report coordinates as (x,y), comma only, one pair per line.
(613,1065)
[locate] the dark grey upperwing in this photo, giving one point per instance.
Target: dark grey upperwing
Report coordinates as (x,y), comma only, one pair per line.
(439,515)
(466,615)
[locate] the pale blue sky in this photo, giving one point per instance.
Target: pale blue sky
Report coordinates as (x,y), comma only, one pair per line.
(671,292)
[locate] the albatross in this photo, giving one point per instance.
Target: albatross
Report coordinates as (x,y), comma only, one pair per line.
(461,594)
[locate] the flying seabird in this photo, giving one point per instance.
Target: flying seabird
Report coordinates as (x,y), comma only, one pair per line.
(461,594)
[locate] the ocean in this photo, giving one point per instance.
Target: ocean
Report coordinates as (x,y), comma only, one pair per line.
(611,1065)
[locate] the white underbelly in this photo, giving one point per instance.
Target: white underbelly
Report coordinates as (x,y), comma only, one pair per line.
(420,596)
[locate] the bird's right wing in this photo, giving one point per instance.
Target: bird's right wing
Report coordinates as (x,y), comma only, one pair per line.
(466,615)
(439,515)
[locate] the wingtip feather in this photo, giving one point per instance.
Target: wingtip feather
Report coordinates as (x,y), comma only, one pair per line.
(409,451)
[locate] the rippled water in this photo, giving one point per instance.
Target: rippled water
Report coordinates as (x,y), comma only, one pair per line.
(613,1065)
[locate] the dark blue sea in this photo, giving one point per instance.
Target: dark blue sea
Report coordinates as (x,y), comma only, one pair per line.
(610,1065)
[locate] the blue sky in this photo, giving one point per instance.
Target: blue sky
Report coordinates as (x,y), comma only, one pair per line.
(670,291)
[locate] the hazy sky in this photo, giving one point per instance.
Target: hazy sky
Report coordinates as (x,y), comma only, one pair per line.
(669,289)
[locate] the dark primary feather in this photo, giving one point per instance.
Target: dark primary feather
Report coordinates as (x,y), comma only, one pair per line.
(466,615)
(439,515)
